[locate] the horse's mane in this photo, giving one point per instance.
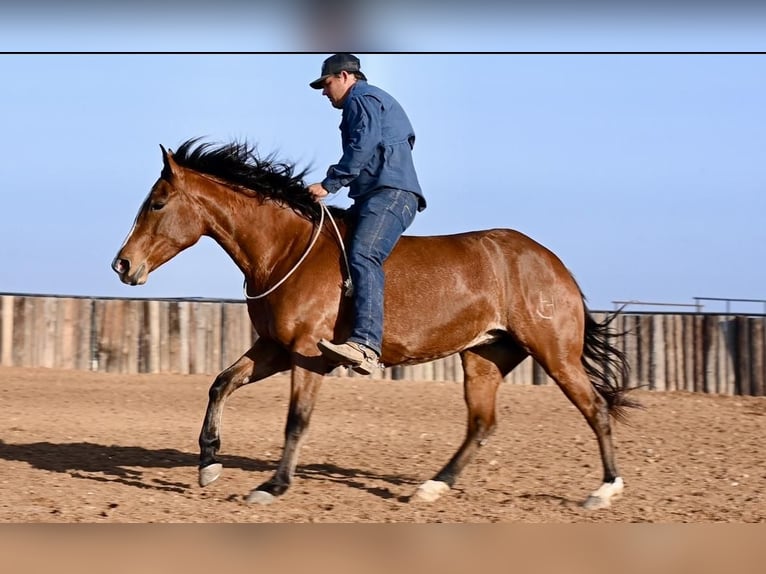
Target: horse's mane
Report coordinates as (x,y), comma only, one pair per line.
(238,163)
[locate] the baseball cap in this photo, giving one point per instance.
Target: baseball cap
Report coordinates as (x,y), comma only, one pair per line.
(335,64)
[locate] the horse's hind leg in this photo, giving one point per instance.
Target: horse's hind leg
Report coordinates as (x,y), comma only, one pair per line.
(264,359)
(484,368)
(571,377)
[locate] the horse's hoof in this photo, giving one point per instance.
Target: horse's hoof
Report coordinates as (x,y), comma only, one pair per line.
(431,490)
(210,473)
(602,498)
(260,497)
(596,503)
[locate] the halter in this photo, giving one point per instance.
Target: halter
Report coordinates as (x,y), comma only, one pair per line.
(347,284)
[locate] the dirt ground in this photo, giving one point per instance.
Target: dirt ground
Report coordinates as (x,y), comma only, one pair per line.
(91,447)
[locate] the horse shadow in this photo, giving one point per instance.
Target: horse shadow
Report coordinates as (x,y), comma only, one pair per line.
(128,465)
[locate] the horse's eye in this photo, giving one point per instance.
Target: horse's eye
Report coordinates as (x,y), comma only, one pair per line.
(156,206)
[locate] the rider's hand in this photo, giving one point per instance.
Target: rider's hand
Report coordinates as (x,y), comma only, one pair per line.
(317,191)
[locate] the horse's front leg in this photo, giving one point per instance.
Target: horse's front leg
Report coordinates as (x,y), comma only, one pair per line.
(264,359)
(307,376)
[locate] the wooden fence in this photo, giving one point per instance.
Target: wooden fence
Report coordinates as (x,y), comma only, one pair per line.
(696,352)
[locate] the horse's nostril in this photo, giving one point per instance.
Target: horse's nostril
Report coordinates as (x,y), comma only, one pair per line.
(120,265)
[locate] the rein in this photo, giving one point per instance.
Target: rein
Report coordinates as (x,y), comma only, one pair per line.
(347,284)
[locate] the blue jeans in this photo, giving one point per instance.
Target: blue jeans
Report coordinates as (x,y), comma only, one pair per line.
(381,218)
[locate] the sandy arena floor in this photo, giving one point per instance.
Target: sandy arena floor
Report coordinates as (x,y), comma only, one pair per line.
(90,447)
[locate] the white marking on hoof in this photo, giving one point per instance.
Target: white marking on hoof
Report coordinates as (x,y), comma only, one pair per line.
(210,473)
(602,498)
(260,497)
(431,490)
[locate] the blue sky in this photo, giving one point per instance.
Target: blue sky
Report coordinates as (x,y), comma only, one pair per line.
(645,173)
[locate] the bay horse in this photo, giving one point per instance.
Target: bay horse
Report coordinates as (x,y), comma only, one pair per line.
(494,296)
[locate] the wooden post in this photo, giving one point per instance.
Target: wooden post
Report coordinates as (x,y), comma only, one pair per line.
(449,368)
(670,352)
(132,334)
(164,330)
(153,334)
(743,357)
(144,339)
(756,356)
(688,350)
(439,370)
(539,376)
(724,357)
(104,347)
(200,349)
(699,354)
(66,343)
(98,357)
(645,346)
(658,361)
(631,351)
(232,344)
(6,333)
(710,353)
(39,332)
(621,327)
(678,342)
(23,333)
(174,337)
(83,335)
(50,307)
(528,372)
(198,338)
(428,371)
(522,375)
(184,336)
(215,334)
(115,327)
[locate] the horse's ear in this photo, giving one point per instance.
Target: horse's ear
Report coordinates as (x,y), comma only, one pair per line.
(168,163)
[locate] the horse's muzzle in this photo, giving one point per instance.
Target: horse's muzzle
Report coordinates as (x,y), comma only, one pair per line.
(122,266)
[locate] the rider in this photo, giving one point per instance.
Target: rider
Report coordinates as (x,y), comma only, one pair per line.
(377,166)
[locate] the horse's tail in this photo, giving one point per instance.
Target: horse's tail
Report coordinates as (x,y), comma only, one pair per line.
(606,365)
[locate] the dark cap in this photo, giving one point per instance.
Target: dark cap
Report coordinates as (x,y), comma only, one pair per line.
(335,64)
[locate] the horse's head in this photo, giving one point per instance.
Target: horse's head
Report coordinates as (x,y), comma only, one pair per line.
(167,223)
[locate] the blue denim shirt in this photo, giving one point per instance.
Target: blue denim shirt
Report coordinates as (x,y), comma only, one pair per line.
(377,140)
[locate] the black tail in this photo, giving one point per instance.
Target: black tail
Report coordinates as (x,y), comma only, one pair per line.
(606,365)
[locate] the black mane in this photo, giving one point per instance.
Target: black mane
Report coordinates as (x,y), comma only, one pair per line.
(239,164)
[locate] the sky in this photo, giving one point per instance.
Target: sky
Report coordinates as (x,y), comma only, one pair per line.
(642,169)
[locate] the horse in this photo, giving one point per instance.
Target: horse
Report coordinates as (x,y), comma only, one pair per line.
(494,296)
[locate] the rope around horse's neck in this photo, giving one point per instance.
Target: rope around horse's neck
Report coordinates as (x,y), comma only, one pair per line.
(346,283)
